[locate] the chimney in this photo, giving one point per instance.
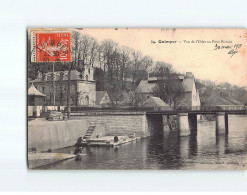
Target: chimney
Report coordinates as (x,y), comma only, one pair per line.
(190,75)
(181,77)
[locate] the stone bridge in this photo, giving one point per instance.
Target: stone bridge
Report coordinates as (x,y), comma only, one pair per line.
(187,117)
(147,121)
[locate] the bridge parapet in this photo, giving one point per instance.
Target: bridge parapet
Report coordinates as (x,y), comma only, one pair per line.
(198,108)
(229,108)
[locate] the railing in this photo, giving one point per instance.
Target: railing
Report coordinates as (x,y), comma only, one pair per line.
(199,108)
(234,107)
(223,107)
(188,108)
(163,108)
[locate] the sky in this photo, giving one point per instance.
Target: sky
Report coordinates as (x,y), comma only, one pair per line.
(203,57)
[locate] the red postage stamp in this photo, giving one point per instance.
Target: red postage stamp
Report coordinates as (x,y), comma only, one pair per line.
(50,46)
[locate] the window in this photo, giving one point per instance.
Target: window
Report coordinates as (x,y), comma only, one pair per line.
(32,100)
(86,100)
(61,75)
(86,77)
(88,70)
(80,75)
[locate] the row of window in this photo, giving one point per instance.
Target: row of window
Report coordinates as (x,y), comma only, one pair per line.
(62,76)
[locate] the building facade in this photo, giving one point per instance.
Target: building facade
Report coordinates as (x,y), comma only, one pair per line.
(190,98)
(82,87)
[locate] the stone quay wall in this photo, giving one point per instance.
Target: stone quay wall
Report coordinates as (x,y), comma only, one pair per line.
(121,123)
(44,135)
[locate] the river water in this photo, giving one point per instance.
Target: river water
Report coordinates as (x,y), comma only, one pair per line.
(168,151)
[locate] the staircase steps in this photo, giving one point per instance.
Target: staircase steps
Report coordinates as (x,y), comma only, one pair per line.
(89,132)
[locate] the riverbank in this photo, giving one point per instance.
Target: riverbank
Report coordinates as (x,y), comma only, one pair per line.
(46,135)
(36,160)
(169,151)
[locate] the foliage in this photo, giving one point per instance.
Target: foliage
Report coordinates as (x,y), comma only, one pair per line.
(169,88)
(126,67)
(113,62)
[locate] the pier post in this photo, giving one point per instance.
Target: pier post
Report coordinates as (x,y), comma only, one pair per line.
(155,124)
(193,123)
(165,119)
(183,124)
(226,123)
(220,123)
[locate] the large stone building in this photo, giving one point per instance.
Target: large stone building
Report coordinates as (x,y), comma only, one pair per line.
(82,87)
(191,95)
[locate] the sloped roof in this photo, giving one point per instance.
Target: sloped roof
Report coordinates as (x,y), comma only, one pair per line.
(215,100)
(154,102)
(188,84)
(122,96)
(33,91)
(145,86)
(99,96)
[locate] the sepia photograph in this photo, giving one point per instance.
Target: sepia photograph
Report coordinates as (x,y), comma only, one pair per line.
(136,99)
(123,96)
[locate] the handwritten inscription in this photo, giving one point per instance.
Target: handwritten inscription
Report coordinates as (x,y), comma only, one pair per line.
(233,48)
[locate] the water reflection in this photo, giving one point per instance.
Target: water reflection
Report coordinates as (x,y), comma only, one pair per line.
(221,144)
(163,151)
(193,146)
(169,151)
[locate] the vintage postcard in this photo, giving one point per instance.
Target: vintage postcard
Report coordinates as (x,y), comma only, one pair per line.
(137,99)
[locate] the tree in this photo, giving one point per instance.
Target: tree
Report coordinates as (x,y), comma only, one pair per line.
(114,92)
(163,69)
(88,50)
(169,88)
(76,47)
(136,64)
(76,50)
(139,63)
(94,46)
(109,48)
(99,76)
(83,51)
(135,98)
(125,61)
